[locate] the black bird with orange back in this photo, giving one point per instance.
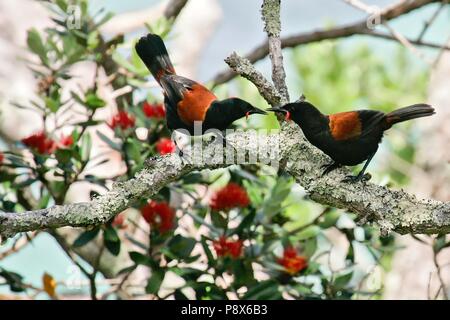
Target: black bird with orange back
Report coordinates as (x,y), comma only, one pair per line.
(187,101)
(349,138)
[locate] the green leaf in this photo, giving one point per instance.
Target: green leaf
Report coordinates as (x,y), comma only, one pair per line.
(111,234)
(181,246)
(342,280)
(93,101)
(85,237)
(132,148)
(112,240)
(439,243)
(52,104)
(267,289)
(36,45)
(310,247)
(245,223)
(211,261)
(218,220)
(24,183)
(113,247)
(63,155)
(86,146)
(108,141)
(139,258)
(14,280)
(62,4)
(154,283)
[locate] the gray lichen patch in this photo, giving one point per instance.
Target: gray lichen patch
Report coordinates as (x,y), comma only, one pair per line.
(270,11)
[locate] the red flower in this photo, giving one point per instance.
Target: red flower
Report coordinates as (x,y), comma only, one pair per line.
(119,221)
(228,248)
(2,157)
(66,141)
(123,120)
(159,214)
(165,146)
(231,196)
(292,262)
(40,142)
(154,110)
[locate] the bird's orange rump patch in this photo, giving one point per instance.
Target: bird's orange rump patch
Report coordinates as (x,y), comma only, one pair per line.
(195,103)
(345,125)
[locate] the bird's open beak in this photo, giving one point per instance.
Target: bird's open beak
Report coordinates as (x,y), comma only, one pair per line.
(257,111)
(287,113)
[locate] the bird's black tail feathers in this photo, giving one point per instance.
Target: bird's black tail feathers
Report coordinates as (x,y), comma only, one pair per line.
(153,52)
(407,113)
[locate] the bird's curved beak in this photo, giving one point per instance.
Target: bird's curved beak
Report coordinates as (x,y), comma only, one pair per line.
(257,111)
(277,109)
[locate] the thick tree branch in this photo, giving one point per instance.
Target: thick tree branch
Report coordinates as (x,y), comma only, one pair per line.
(393,210)
(358,28)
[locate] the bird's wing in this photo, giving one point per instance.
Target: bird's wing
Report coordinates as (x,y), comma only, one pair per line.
(371,120)
(354,124)
(344,125)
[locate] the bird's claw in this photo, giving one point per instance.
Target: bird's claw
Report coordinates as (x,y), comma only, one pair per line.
(353,179)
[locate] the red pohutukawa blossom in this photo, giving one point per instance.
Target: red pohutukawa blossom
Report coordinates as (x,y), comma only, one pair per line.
(231,196)
(292,262)
(40,143)
(119,221)
(159,215)
(165,146)
(123,120)
(66,141)
(154,110)
(2,157)
(223,247)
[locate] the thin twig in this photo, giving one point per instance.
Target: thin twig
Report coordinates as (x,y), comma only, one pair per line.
(270,11)
(440,277)
(430,21)
(358,28)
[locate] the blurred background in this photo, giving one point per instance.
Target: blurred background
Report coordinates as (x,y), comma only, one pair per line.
(338,75)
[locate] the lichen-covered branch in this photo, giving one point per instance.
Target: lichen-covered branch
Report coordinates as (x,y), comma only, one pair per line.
(271,16)
(243,67)
(393,210)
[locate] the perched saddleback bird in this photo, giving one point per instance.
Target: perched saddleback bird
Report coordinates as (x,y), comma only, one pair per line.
(185,100)
(351,137)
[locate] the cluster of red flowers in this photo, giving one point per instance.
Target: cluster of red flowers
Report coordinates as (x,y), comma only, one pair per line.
(223,247)
(292,262)
(165,146)
(2,157)
(231,196)
(159,215)
(65,141)
(123,120)
(154,110)
(45,145)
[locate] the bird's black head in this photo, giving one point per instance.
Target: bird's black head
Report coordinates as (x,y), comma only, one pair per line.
(222,113)
(240,108)
(301,111)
